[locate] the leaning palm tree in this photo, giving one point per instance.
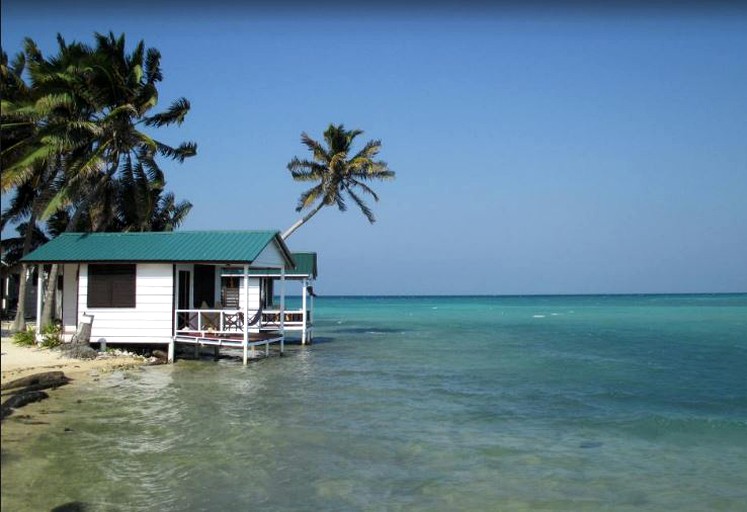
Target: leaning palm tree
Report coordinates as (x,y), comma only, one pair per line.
(338,175)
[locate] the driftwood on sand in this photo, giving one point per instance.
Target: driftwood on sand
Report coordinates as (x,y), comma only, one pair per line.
(28,389)
(45,380)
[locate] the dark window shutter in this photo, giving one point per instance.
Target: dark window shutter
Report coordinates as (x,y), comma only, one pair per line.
(111,286)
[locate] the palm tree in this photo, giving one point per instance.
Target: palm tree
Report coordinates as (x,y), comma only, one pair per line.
(143,206)
(337,174)
(33,189)
(92,105)
(13,249)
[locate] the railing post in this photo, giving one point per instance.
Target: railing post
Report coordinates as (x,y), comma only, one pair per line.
(282,309)
(303,312)
(246,312)
(39,295)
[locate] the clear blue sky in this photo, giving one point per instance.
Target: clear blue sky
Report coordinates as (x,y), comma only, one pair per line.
(537,150)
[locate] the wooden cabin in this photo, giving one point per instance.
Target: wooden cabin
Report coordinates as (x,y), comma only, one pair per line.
(175,287)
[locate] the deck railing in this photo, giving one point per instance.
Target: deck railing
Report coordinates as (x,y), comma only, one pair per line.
(219,321)
(293,318)
(231,321)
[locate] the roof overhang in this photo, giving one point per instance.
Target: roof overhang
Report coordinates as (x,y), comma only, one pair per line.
(184,247)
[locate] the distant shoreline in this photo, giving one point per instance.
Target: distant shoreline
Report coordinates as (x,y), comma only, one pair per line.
(527,295)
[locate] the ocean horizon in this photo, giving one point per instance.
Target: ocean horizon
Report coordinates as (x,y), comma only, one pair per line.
(432,402)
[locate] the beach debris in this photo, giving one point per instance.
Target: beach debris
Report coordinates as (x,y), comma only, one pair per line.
(38,381)
(19,400)
(78,351)
(157,357)
(160,354)
(26,390)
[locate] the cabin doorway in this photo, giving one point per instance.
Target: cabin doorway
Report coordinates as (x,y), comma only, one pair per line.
(183,296)
(204,288)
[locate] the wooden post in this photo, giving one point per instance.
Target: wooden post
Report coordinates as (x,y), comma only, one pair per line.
(39,295)
(311,318)
(282,309)
(246,313)
(305,283)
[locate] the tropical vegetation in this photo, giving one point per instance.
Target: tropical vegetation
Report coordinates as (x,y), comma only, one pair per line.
(338,173)
(77,152)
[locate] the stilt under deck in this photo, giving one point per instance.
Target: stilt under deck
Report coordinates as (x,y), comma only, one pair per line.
(254,340)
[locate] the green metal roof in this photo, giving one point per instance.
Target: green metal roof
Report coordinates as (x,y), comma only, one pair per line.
(305,267)
(167,246)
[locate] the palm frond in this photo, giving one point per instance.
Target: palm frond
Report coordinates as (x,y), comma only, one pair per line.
(305,170)
(362,205)
(369,151)
(21,204)
(31,50)
(175,114)
(320,154)
(153,66)
(309,197)
(18,172)
(338,200)
(180,153)
(365,188)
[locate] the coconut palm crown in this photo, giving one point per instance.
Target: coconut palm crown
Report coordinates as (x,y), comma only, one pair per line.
(338,175)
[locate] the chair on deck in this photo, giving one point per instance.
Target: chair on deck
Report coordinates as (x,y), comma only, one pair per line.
(235,321)
(210,321)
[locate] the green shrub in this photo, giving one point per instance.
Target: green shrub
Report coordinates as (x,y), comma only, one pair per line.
(25,338)
(51,336)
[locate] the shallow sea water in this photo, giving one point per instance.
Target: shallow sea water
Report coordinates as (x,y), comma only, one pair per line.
(425,403)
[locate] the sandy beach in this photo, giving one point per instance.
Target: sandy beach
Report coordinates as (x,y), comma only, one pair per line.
(19,362)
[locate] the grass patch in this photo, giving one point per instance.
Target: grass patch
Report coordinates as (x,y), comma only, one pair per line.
(52,336)
(25,338)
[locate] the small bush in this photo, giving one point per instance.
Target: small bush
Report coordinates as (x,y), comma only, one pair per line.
(25,338)
(51,336)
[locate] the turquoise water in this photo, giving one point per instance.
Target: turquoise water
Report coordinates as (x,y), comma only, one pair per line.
(432,403)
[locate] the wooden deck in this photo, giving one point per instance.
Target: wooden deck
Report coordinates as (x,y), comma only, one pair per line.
(233,340)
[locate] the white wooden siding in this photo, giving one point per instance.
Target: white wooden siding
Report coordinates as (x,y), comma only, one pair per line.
(69,298)
(253,294)
(149,321)
(271,256)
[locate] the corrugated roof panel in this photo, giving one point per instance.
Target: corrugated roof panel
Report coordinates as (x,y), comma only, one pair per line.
(185,246)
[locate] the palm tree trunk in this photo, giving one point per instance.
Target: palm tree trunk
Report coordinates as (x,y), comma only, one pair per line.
(49,295)
(300,222)
(19,322)
(51,288)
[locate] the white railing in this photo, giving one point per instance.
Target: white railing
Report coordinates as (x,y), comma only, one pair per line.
(217,321)
(231,321)
(293,317)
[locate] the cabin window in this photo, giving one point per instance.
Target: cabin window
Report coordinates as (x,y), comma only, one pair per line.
(111,286)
